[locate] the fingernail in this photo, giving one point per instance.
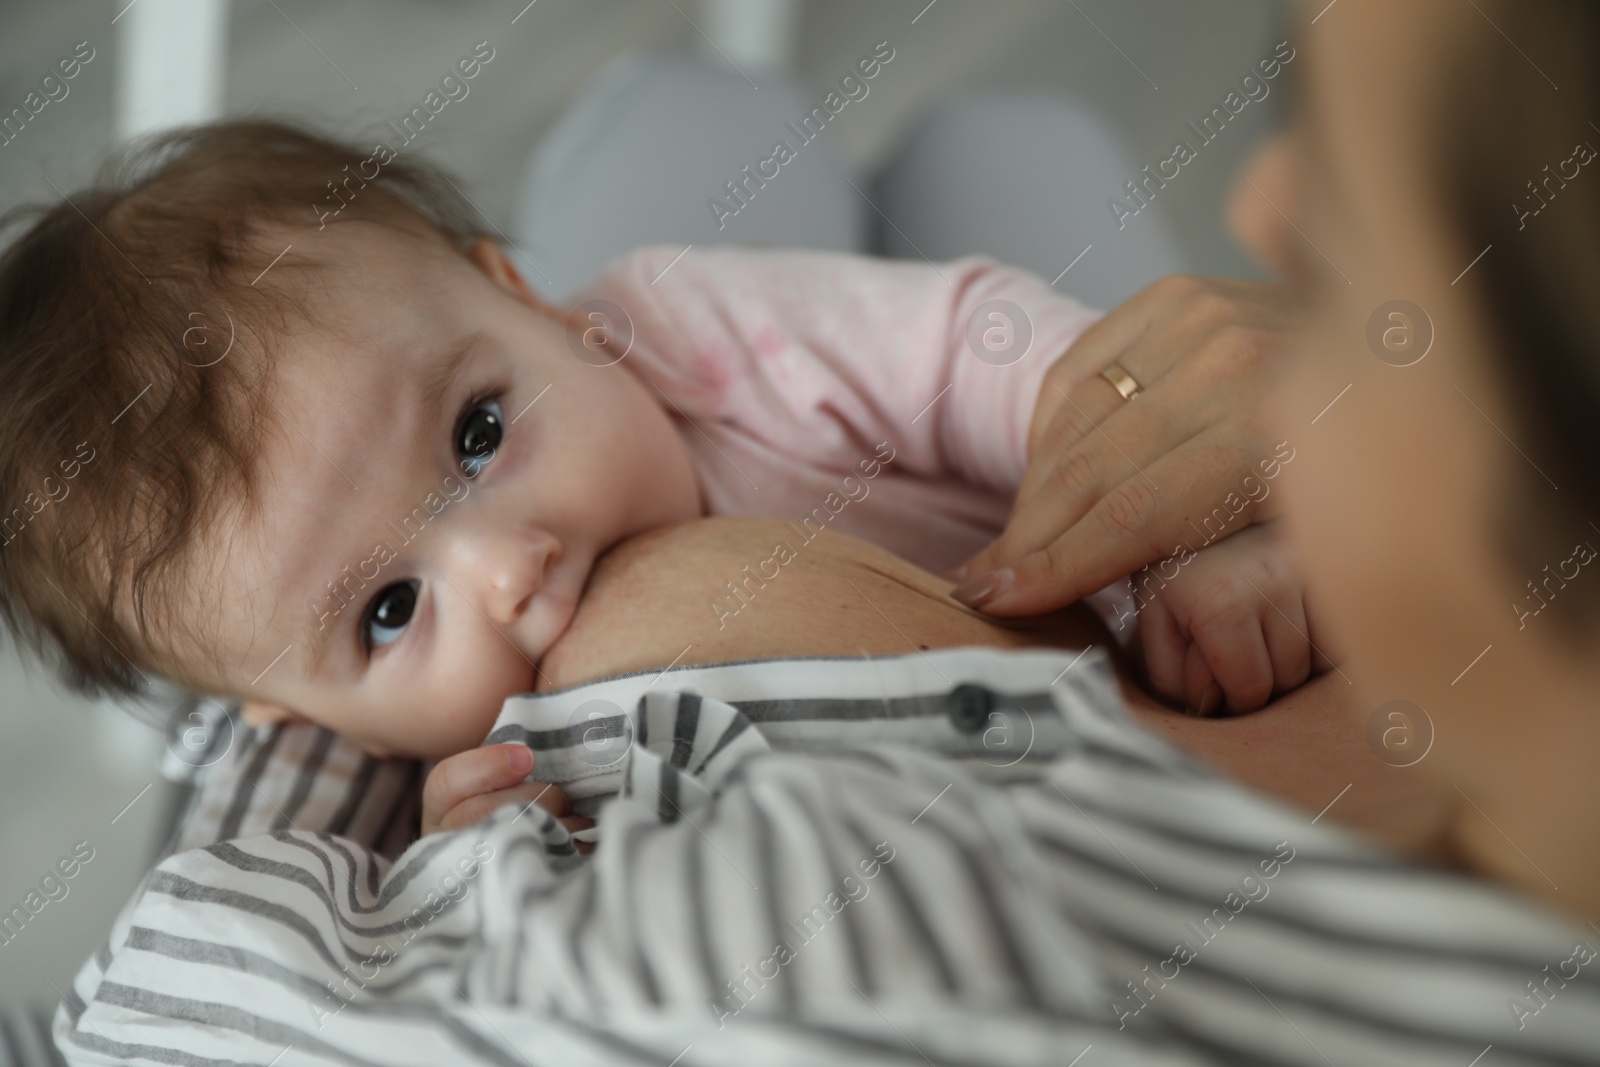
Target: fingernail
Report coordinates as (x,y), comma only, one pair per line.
(1210,700)
(519,758)
(975,592)
(955,574)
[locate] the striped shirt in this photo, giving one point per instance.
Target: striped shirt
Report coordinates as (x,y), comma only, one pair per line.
(968,856)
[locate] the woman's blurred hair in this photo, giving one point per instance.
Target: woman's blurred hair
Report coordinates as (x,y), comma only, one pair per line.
(1516,118)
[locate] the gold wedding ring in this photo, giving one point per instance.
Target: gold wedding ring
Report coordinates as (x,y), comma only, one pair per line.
(1123,382)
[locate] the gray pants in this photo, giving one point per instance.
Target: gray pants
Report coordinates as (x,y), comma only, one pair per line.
(667,150)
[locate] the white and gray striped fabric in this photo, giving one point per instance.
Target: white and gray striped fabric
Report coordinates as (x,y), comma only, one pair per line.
(968,856)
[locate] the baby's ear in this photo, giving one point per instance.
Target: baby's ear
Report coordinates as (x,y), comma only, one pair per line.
(260,713)
(488,257)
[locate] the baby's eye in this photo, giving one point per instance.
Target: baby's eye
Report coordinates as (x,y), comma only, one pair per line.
(478,435)
(389,613)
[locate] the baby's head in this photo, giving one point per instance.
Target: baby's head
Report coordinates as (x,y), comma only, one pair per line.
(346,465)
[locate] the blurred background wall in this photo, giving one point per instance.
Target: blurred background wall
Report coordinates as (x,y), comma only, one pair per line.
(74,772)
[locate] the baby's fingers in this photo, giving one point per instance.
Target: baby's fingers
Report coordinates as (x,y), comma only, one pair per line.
(1163,649)
(1284,624)
(526,796)
(1235,651)
(478,770)
(1201,695)
(469,774)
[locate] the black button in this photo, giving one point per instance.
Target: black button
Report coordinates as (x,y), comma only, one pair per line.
(969,707)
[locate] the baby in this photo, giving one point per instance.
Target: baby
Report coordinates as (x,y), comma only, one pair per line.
(358,472)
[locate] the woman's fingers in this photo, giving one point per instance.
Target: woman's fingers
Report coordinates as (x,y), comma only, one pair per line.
(1092,418)
(1163,340)
(1064,484)
(1103,343)
(1113,484)
(1096,443)
(1095,432)
(1163,327)
(1153,514)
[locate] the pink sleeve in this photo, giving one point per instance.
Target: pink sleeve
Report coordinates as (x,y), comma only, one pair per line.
(821,356)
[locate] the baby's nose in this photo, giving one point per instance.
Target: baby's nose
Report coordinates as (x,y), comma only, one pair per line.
(507,571)
(506,599)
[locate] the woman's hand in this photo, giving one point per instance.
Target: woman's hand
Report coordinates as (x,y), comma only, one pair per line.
(470,786)
(1114,484)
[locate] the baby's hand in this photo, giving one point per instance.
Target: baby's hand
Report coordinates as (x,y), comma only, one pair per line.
(1231,628)
(470,786)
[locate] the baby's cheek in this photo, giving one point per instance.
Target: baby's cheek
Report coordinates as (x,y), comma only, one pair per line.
(465,700)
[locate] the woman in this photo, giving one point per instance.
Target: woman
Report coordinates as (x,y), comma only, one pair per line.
(1427,508)
(1429,206)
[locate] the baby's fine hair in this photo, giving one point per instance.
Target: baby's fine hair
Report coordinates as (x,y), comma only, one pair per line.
(137,320)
